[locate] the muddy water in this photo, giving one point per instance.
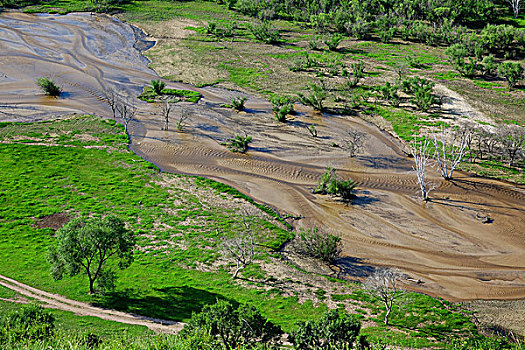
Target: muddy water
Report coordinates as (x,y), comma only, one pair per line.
(443,243)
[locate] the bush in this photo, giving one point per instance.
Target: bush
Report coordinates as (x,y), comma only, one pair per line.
(237,103)
(282,106)
(357,29)
(358,73)
(498,37)
(332,331)
(31,322)
(332,185)
(48,86)
(315,98)
(233,326)
(238,143)
(488,66)
(421,89)
(333,41)
(390,94)
(512,72)
(158,86)
(264,31)
(318,245)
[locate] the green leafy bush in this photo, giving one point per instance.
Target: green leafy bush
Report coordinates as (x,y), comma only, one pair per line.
(333,41)
(282,106)
(512,72)
(233,326)
(315,98)
(237,103)
(48,86)
(31,322)
(264,31)
(319,245)
(238,143)
(332,185)
(421,89)
(390,94)
(158,86)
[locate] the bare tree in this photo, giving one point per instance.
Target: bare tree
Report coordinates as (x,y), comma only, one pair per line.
(512,139)
(487,142)
(385,284)
(420,152)
(354,141)
(112,99)
(241,249)
(166,110)
(183,117)
(126,111)
(515,5)
(450,150)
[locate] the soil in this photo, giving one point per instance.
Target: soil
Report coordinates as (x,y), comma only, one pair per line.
(443,242)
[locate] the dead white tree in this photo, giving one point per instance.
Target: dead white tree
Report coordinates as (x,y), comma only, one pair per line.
(420,153)
(450,149)
(166,111)
(126,111)
(241,249)
(515,5)
(354,141)
(385,284)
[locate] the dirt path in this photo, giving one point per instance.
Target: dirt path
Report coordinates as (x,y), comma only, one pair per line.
(78,308)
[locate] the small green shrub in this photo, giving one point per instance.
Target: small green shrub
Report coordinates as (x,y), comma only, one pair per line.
(30,322)
(332,185)
(333,41)
(48,86)
(264,31)
(315,98)
(282,106)
(421,89)
(158,86)
(358,73)
(238,143)
(390,94)
(237,103)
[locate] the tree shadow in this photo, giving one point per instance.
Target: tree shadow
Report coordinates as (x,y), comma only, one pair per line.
(169,303)
(353,269)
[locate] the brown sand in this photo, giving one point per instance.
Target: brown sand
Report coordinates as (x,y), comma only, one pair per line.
(442,243)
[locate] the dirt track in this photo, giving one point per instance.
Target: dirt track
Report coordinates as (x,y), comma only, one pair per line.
(83,309)
(443,243)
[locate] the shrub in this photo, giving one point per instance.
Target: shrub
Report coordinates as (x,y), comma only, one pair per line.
(238,143)
(319,245)
(264,31)
(358,73)
(421,89)
(332,185)
(158,86)
(357,29)
(386,34)
(30,322)
(333,330)
(237,103)
(488,66)
(498,37)
(390,94)
(512,72)
(233,326)
(315,98)
(333,41)
(282,106)
(48,86)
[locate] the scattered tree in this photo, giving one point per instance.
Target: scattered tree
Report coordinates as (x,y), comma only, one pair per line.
(390,94)
(334,330)
(319,245)
(264,31)
(182,119)
(512,138)
(513,72)
(354,141)
(332,185)
(515,5)
(166,110)
(112,99)
(420,153)
(233,326)
(48,86)
(126,111)
(385,284)
(87,244)
(241,249)
(450,149)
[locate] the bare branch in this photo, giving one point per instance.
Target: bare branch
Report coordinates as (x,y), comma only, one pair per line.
(420,152)
(385,284)
(450,150)
(354,142)
(241,249)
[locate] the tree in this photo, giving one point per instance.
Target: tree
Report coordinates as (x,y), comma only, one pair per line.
(512,72)
(354,141)
(126,111)
(384,284)
(333,330)
(241,249)
(515,5)
(315,98)
(234,326)
(182,118)
(450,150)
(48,86)
(166,110)
(112,99)
(86,244)
(512,138)
(420,153)
(319,245)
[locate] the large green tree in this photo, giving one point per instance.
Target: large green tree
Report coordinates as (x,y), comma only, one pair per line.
(87,244)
